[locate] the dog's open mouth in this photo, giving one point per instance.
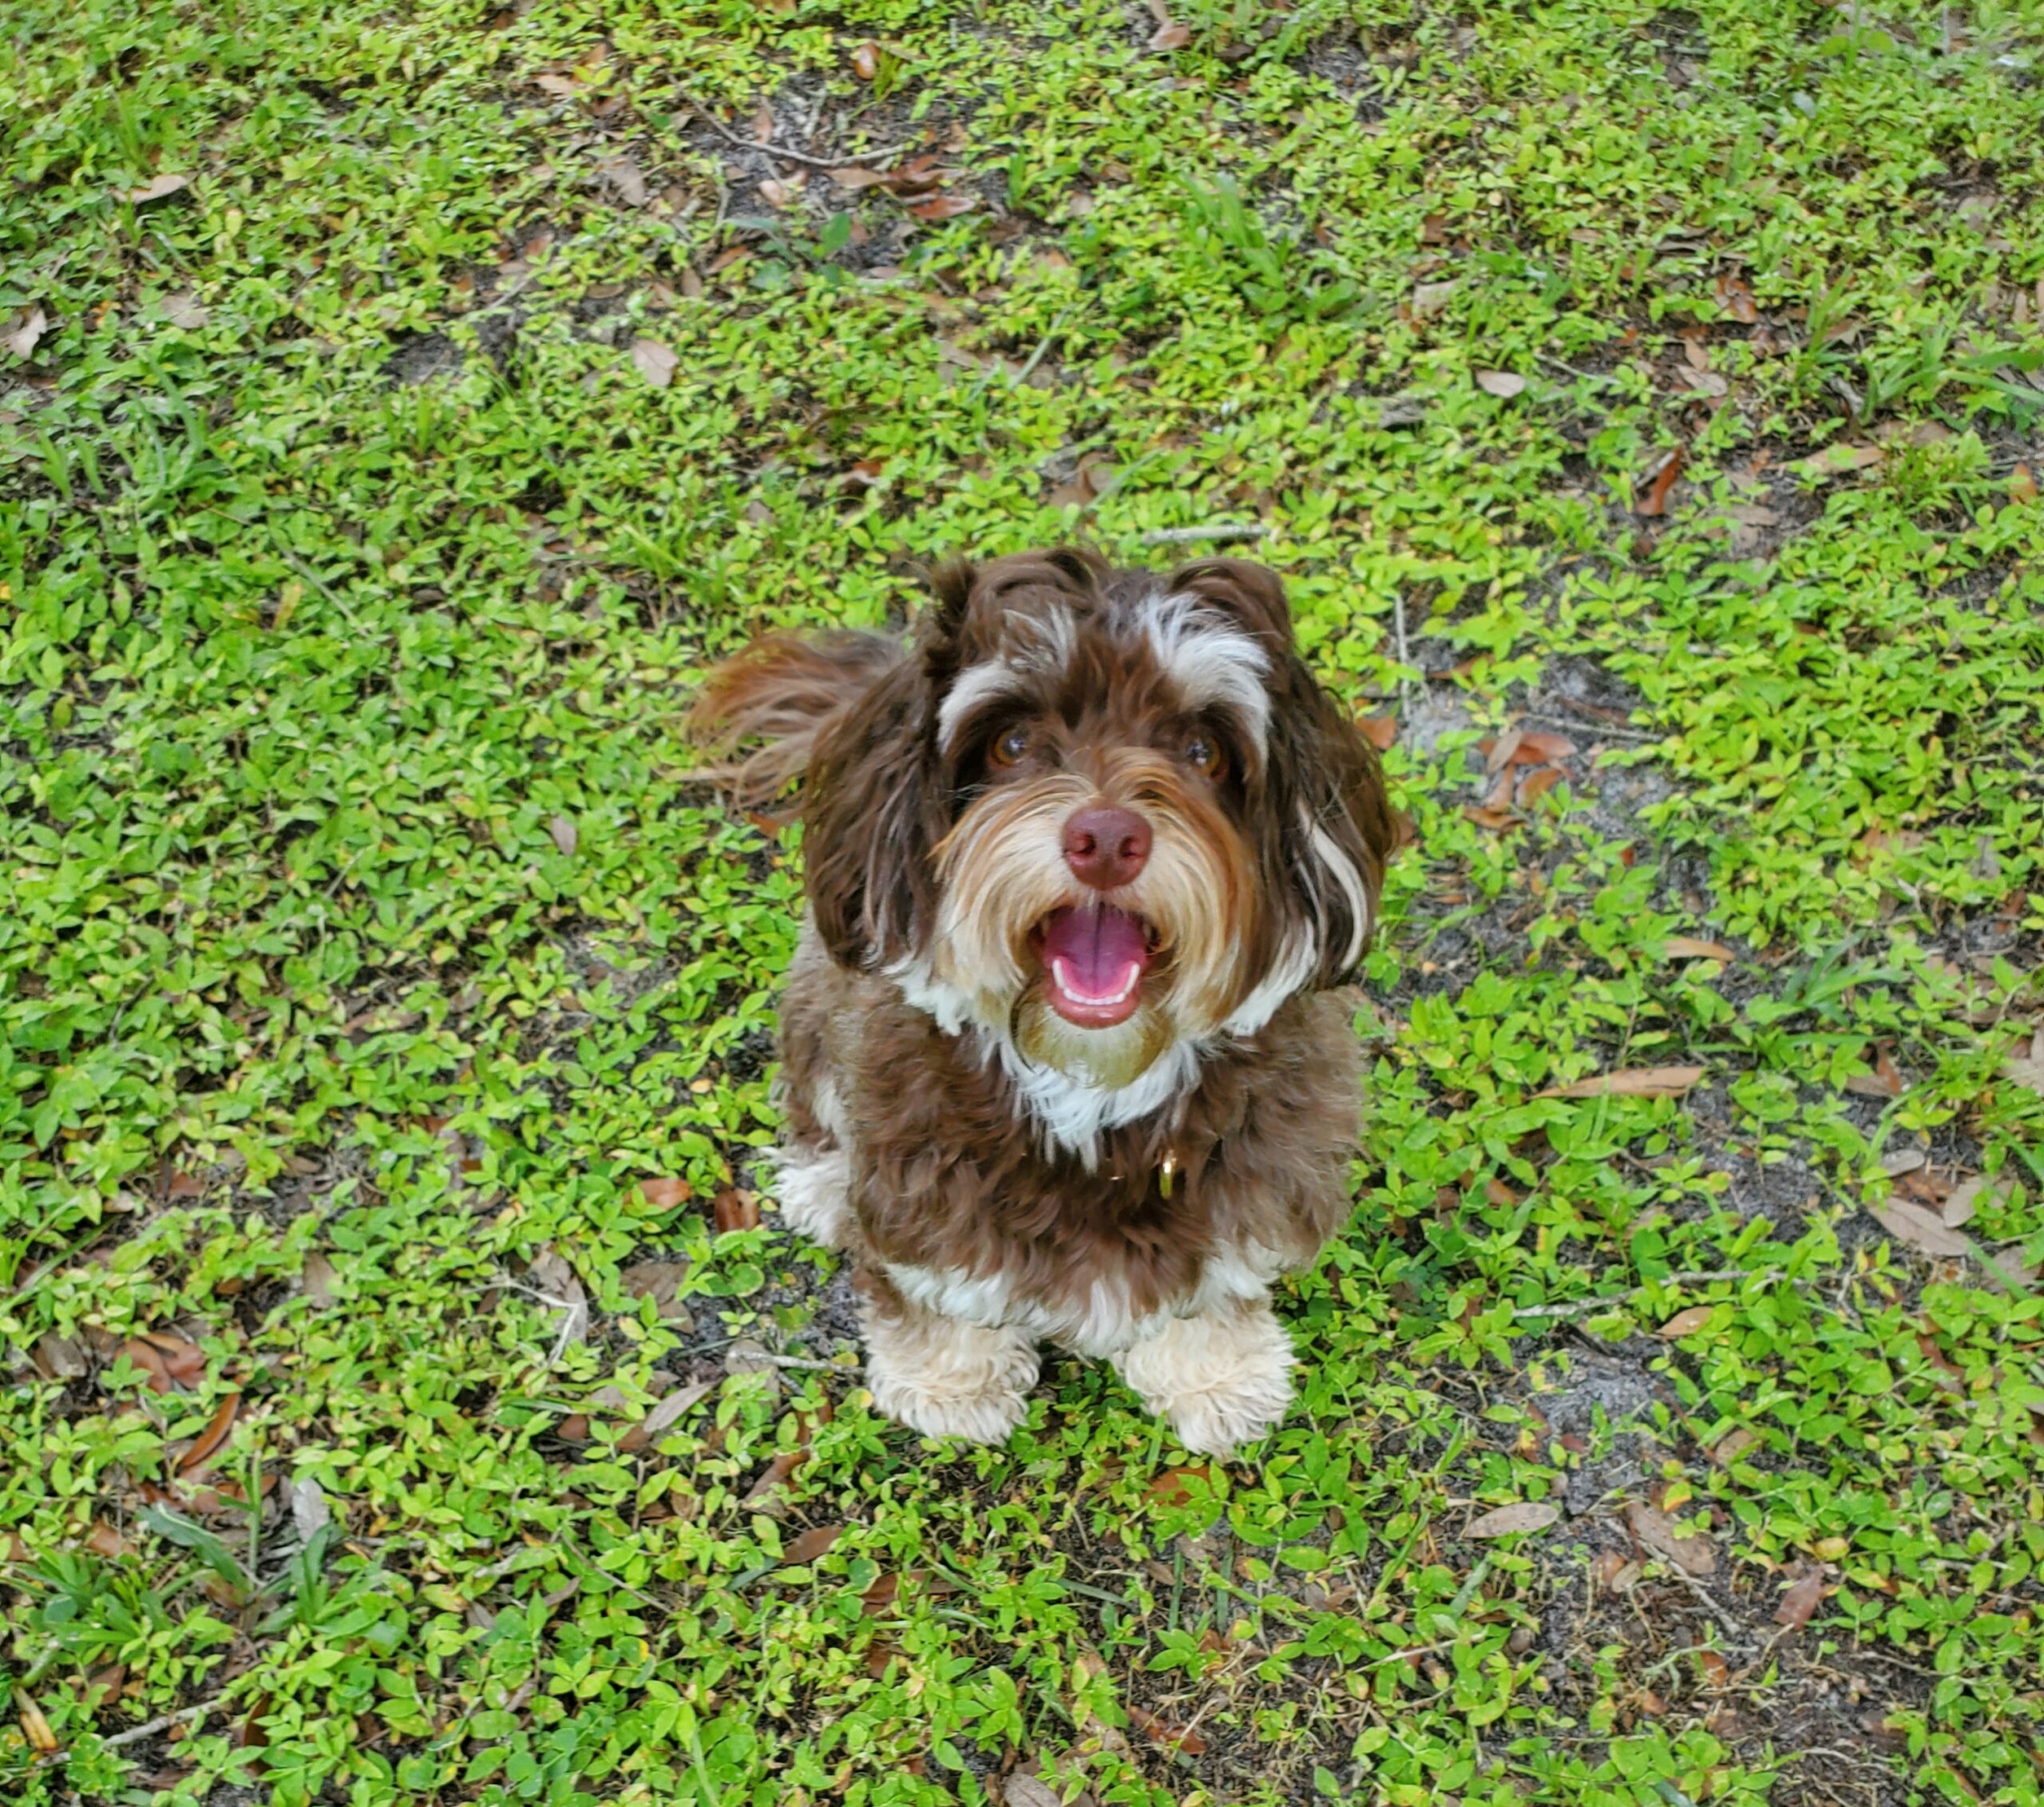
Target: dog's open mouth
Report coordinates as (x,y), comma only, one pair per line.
(1094,959)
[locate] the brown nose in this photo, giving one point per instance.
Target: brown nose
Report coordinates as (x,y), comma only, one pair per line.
(1105,848)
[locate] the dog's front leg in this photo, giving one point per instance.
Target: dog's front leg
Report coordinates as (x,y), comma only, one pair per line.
(1223,1377)
(942,1375)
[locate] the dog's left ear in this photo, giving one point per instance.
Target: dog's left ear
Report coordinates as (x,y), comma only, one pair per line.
(1327,825)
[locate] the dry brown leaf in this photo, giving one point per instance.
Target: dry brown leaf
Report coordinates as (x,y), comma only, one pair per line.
(1170,1488)
(943,206)
(733,1210)
(1487,815)
(1497,754)
(1026,1791)
(866,60)
(625,177)
(1630,1082)
(185,309)
(2026,1070)
(58,1358)
(1504,384)
(852,177)
(1536,784)
(1884,1081)
(781,192)
(1687,947)
(550,1275)
(1800,1601)
(1380,731)
(1921,1229)
(1429,298)
(775,1475)
(659,1421)
(104,1540)
(1523,1514)
(654,361)
(1171,36)
(1838,461)
(660,1281)
(559,86)
(156,188)
(1964,1203)
(1696,1555)
(2022,486)
(1737,299)
(663,1195)
(169,1361)
(812,1543)
(1686,1322)
(34,1727)
(25,332)
(212,1440)
(1163,1733)
(317,1280)
(1732,1445)
(1655,501)
(1537,746)
(565,835)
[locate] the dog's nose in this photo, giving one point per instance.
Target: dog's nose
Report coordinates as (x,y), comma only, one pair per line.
(1106,848)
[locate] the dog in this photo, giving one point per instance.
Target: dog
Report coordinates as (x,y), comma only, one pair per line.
(1065,1055)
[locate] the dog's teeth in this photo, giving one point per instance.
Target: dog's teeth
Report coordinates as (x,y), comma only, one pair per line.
(1061,971)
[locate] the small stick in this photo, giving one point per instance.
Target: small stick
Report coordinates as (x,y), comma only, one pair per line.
(715,125)
(1404,658)
(149,1728)
(1582,1308)
(1219,530)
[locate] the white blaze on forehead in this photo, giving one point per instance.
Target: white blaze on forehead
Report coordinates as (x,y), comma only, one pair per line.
(1030,644)
(1210,659)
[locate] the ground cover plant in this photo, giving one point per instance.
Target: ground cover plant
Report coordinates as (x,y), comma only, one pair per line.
(409,1395)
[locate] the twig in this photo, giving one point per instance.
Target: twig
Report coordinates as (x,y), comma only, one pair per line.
(149,1728)
(1737,1632)
(1582,1308)
(1605,730)
(1219,530)
(1036,358)
(730,137)
(802,1361)
(1405,657)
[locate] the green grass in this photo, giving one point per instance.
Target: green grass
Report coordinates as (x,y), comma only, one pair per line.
(371,974)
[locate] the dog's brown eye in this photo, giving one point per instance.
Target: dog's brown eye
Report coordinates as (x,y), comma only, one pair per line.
(1203,752)
(1012,748)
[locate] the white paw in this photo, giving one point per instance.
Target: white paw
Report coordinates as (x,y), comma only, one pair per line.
(814,1186)
(1223,1378)
(946,1377)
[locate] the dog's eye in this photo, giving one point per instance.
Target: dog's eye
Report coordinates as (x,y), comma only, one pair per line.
(1012,748)
(1202,752)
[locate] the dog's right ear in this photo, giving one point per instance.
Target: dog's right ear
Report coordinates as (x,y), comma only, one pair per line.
(875,805)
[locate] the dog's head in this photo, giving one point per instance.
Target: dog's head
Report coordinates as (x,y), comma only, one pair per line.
(1098,812)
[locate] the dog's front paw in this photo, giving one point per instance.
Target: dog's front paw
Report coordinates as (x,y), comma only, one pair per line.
(946,1377)
(1223,1378)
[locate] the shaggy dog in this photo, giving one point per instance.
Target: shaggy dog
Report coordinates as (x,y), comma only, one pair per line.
(1062,1055)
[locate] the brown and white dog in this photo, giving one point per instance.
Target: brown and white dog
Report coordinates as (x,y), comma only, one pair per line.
(1061,1057)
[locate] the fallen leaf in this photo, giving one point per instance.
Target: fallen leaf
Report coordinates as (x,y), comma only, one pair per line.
(1737,299)
(1537,746)
(169,1361)
(1838,461)
(562,828)
(1428,299)
(1536,784)
(1921,1230)
(853,177)
(549,1275)
(1800,1601)
(654,361)
(1694,1555)
(1504,384)
(812,1543)
(1497,754)
(1687,947)
(184,310)
(1171,1488)
(212,1440)
(943,206)
(1163,1733)
(310,1512)
(1965,1200)
(1732,1445)
(604,1402)
(1655,501)
(1884,1081)
(659,1421)
(1686,1322)
(1380,731)
(1486,816)
(1499,1193)
(780,192)
(104,1540)
(866,60)
(1630,1082)
(156,188)
(773,1477)
(58,1358)
(1897,1162)
(559,86)
(1171,36)
(316,1282)
(1026,1791)
(2027,1072)
(2022,486)
(28,328)
(1524,1515)
(733,1210)
(624,174)
(660,1281)
(34,1727)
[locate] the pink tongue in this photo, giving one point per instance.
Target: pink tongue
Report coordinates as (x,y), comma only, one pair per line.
(1097,948)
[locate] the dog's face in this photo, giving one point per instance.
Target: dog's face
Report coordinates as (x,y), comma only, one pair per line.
(1099,814)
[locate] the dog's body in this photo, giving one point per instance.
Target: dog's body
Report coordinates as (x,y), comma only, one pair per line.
(1060,1058)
